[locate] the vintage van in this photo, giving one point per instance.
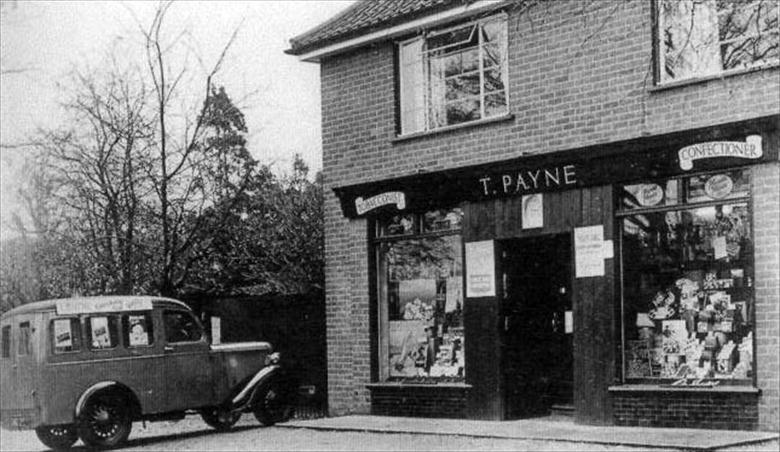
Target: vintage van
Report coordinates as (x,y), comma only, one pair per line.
(89,367)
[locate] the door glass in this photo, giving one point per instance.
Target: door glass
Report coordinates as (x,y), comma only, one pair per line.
(181,326)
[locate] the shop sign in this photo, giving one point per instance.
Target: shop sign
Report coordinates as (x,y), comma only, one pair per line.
(539,179)
(649,195)
(87,306)
(718,186)
(480,269)
(392,197)
(750,149)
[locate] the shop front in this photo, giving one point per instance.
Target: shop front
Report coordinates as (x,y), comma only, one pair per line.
(616,282)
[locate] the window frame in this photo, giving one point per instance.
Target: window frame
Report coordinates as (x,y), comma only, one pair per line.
(380,349)
(660,60)
(426,101)
(682,204)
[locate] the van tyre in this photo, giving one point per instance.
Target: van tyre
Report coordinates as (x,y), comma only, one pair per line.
(272,404)
(57,437)
(105,422)
(220,419)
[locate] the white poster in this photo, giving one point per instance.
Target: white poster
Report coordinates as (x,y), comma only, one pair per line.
(62,336)
(480,269)
(216,330)
(589,251)
(533,211)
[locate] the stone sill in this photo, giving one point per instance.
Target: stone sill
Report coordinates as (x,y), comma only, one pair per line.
(465,125)
(707,78)
(689,389)
(399,385)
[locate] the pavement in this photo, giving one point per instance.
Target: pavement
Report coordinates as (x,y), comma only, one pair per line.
(554,429)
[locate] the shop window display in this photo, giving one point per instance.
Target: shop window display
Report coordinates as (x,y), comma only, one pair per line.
(421,299)
(688,283)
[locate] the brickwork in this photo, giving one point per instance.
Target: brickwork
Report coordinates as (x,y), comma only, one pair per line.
(580,74)
(687,410)
(766,228)
(420,401)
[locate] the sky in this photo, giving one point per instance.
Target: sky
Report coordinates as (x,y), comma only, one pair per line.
(42,42)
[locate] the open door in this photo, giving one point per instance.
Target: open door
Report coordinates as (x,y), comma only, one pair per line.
(537,325)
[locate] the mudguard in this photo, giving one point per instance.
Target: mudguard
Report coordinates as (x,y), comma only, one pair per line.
(91,391)
(245,396)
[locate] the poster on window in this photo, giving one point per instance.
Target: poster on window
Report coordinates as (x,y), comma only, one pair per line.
(589,251)
(62,335)
(138,334)
(100,337)
(480,269)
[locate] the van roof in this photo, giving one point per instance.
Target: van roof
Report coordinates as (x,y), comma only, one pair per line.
(51,305)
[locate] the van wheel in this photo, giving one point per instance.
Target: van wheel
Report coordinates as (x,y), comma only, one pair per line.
(57,437)
(220,419)
(271,405)
(105,422)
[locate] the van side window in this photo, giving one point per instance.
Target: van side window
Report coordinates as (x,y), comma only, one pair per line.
(25,346)
(103,332)
(6,338)
(181,326)
(66,335)
(138,330)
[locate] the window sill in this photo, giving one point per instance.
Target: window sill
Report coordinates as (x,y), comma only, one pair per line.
(465,125)
(666,388)
(401,385)
(720,76)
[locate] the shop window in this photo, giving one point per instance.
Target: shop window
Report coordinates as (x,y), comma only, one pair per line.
(181,326)
(687,278)
(25,339)
(421,301)
(454,75)
(66,335)
(6,338)
(700,38)
(103,332)
(138,330)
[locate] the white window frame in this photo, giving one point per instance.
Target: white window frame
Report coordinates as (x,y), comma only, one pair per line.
(664,79)
(424,101)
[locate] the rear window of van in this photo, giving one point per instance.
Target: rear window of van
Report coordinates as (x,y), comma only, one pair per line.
(25,339)
(6,342)
(66,335)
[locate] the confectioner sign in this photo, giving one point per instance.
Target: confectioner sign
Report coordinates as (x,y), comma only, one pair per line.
(392,197)
(749,149)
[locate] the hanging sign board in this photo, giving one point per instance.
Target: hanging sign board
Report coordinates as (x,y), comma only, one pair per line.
(749,149)
(533,211)
(480,269)
(589,251)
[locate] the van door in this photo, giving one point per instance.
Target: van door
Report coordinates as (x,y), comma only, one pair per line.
(187,364)
(22,376)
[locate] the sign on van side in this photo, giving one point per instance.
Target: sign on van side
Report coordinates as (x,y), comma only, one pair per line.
(87,306)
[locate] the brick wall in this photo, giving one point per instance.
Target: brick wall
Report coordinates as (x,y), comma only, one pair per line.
(687,410)
(580,74)
(766,228)
(420,401)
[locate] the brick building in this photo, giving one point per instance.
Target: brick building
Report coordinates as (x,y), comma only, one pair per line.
(540,205)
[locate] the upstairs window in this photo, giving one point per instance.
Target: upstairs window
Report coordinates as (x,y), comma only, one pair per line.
(454,75)
(700,38)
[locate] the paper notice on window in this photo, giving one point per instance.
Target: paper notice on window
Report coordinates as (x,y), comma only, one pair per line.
(589,251)
(568,322)
(216,330)
(138,334)
(719,246)
(100,338)
(533,211)
(62,336)
(480,269)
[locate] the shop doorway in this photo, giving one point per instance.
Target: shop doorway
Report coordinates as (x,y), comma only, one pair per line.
(537,325)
